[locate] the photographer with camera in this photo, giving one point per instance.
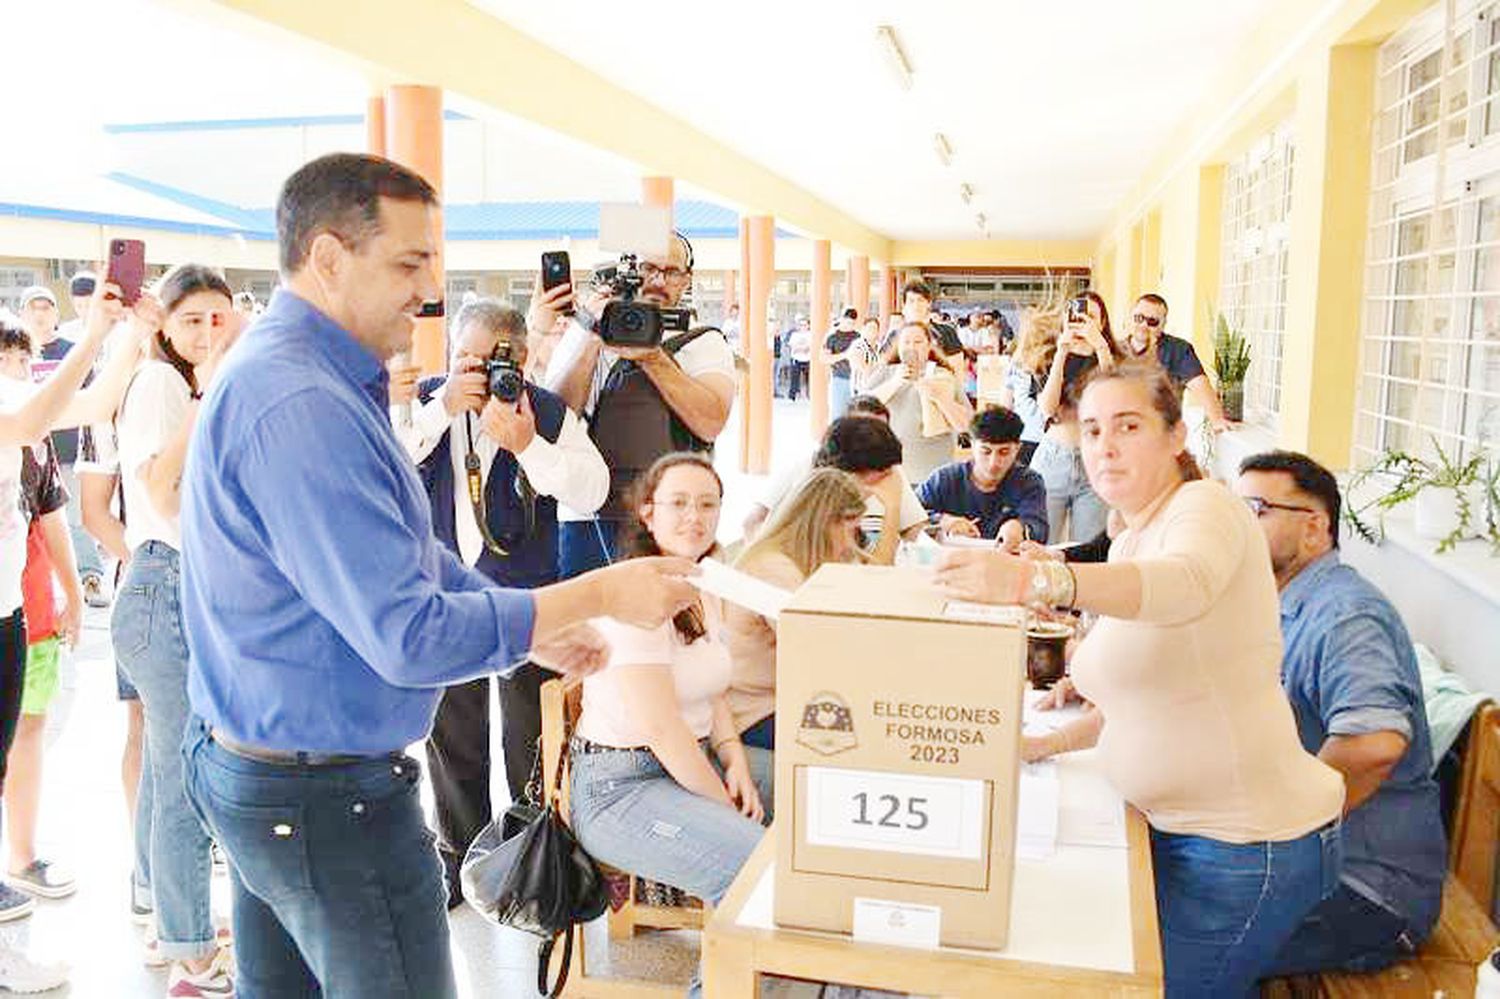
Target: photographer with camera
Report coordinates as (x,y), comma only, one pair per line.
(643,392)
(484,426)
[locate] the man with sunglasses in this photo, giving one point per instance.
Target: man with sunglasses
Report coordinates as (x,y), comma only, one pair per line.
(640,402)
(1350,672)
(525,457)
(1147,336)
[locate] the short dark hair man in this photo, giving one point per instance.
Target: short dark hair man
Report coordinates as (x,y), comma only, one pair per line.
(990,495)
(640,402)
(1147,336)
(323,618)
(916,307)
(863,445)
(532,454)
(1350,672)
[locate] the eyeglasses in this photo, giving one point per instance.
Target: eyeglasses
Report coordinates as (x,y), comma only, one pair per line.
(1151,321)
(705,505)
(666,275)
(1259,505)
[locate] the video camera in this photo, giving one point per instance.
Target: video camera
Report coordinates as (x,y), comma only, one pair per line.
(628,322)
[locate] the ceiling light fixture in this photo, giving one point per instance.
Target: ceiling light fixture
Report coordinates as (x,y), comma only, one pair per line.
(965,193)
(981,220)
(943,148)
(886,35)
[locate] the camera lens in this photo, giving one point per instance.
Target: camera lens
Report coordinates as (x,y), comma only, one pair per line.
(633,321)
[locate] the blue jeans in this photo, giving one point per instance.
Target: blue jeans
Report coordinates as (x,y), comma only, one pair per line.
(146,628)
(1068,493)
(338,890)
(1227,909)
(628,812)
(579,549)
(1347,932)
(85,549)
(839,394)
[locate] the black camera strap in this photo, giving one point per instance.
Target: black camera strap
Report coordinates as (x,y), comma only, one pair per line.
(476,489)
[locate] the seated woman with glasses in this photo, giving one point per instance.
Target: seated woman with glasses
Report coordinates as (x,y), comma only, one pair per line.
(1183,671)
(817,523)
(662,786)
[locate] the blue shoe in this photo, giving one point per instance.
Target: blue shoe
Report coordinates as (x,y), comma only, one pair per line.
(14,904)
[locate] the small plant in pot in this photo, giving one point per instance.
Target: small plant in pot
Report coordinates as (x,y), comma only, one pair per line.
(1443,490)
(1231,363)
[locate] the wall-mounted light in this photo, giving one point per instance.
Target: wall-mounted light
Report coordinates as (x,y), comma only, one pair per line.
(895,55)
(965,193)
(943,148)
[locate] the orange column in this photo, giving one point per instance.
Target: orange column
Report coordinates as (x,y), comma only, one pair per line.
(742,289)
(857,273)
(375,125)
(887,297)
(762,273)
(822,279)
(414,138)
(657,191)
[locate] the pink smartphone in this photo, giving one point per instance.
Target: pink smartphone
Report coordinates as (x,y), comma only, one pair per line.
(127,267)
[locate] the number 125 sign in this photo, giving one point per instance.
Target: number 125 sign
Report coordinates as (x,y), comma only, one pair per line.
(896,813)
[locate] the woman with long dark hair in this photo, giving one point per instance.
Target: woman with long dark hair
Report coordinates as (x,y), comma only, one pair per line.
(1085,343)
(154,426)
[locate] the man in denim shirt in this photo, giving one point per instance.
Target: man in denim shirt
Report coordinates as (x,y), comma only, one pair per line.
(1351,676)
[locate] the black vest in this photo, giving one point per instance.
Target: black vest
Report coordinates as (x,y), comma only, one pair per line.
(533,557)
(632,425)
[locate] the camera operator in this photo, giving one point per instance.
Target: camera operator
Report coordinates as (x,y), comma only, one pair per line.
(640,402)
(529,453)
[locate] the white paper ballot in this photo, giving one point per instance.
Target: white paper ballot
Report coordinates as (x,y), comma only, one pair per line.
(1037,802)
(740,588)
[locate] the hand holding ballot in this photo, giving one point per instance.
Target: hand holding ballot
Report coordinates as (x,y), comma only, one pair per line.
(987,575)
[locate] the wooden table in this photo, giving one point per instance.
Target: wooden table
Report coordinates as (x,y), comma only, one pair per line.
(1083,924)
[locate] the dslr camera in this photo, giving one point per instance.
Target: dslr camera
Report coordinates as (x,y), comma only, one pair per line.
(505,379)
(630,323)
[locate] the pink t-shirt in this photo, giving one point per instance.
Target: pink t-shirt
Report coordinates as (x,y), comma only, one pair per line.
(700,673)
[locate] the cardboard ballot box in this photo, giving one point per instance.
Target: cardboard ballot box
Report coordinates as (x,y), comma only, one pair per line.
(898,721)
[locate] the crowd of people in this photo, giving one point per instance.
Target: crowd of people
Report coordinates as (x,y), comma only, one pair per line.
(297,608)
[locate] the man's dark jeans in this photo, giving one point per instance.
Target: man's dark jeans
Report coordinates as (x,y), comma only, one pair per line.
(336,883)
(1347,932)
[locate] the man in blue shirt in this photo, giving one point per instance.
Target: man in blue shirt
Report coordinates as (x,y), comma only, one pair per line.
(989,496)
(324,619)
(1351,675)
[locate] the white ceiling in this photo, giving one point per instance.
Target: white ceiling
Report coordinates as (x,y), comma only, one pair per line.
(1054,110)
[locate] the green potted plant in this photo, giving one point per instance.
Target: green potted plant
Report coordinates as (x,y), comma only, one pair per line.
(1231,363)
(1442,489)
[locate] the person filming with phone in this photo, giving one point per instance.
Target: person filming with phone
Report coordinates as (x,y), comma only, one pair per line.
(486,431)
(642,396)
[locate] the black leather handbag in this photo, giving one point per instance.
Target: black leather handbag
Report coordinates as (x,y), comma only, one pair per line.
(525,870)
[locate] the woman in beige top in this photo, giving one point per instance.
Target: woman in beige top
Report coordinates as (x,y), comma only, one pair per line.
(816,523)
(1183,671)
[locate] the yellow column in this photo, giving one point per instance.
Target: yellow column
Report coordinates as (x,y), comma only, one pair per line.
(762,274)
(1330,205)
(858,275)
(375,125)
(414,138)
(1205,301)
(822,280)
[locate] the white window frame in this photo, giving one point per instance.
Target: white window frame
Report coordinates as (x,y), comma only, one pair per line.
(1424,347)
(1255,245)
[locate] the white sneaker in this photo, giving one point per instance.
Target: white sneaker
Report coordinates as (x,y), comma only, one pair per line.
(214,982)
(19,973)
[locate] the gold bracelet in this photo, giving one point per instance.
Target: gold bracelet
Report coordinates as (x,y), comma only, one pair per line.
(723,742)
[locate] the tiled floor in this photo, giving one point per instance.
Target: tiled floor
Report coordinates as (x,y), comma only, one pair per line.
(84,824)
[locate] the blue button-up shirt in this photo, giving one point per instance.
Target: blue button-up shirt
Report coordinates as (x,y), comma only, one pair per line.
(321,613)
(1349,668)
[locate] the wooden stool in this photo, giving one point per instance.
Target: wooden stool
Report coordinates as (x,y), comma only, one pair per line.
(561,703)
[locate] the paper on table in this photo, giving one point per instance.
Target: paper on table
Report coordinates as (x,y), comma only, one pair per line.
(740,588)
(1093,814)
(1037,807)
